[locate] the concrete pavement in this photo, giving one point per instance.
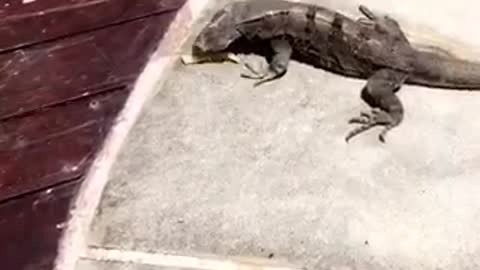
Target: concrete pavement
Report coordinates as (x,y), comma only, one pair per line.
(215,166)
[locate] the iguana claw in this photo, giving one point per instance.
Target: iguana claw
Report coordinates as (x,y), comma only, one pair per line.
(368,120)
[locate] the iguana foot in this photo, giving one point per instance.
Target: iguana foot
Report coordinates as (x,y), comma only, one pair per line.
(368,120)
(277,67)
(262,77)
(254,74)
(379,94)
(367,13)
(366,22)
(383,24)
(370,19)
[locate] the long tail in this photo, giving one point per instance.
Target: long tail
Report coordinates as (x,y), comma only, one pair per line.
(442,71)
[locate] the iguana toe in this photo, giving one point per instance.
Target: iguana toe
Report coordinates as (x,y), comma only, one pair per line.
(268,75)
(358,130)
(364,118)
(384,132)
(368,120)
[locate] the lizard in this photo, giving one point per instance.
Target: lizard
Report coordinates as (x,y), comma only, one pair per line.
(372,47)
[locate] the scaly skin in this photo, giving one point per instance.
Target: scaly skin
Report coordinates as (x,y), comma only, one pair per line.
(372,48)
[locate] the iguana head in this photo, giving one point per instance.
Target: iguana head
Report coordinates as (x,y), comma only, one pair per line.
(218,34)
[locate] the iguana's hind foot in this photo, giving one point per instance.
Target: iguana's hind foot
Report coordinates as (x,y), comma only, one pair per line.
(383,24)
(367,13)
(368,120)
(282,51)
(370,16)
(379,94)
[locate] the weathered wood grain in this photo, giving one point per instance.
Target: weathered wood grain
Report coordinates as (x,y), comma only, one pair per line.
(55,145)
(23,23)
(86,64)
(66,69)
(30,228)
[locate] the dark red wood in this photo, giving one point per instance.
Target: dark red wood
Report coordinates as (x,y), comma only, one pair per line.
(31,226)
(82,65)
(60,90)
(55,145)
(26,23)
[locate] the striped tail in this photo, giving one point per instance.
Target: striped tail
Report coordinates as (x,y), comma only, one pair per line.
(442,71)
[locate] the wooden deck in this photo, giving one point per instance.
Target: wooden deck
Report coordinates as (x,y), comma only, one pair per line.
(66,69)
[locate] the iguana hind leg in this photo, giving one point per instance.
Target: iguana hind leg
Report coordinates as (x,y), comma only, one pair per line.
(277,67)
(369,19)
(384,24)
(367,13)
(387,109)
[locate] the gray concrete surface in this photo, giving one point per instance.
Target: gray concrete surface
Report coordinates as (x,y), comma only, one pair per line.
(215,166)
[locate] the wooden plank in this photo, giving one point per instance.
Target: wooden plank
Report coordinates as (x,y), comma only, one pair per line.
(82,65)
(31,227)
(55,145)
(57,102)
(23,23)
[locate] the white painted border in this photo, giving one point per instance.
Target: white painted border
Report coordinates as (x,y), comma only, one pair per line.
(183,262)
(73,242)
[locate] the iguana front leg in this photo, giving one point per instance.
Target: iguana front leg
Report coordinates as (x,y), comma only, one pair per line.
(387,109)
(282,52)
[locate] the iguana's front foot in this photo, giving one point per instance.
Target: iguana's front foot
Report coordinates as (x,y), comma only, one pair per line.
(254,74)
(277,67)
(269,75)
(368,120)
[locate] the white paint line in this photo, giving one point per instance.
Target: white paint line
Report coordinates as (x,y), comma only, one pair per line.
(177,261)
(73,242)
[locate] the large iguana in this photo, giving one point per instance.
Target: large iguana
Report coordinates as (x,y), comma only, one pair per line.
(372,48)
